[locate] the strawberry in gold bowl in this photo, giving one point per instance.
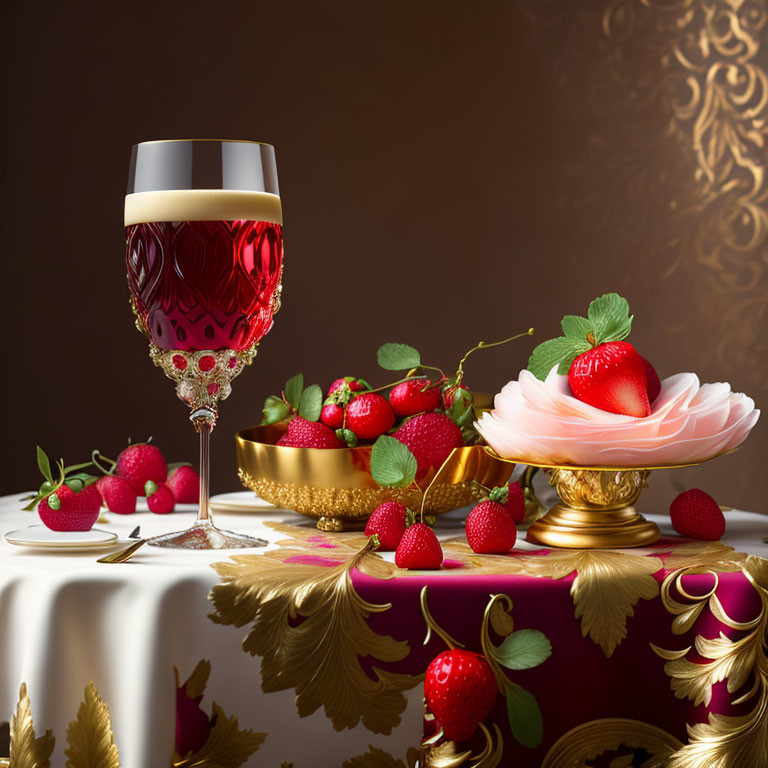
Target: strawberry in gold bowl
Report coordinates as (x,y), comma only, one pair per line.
(336,459)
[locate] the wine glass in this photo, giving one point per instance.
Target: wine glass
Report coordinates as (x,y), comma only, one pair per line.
(204,257)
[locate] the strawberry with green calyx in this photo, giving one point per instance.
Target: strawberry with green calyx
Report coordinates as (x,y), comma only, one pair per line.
(603,370)
(69,477)
(294,400)
(71,501)
(160,499)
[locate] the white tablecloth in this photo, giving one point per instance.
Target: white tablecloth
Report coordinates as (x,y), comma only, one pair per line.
(66,620)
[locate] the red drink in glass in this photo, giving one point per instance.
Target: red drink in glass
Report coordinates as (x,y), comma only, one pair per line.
(205,285)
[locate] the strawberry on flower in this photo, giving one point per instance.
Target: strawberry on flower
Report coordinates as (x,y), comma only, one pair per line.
(603,370)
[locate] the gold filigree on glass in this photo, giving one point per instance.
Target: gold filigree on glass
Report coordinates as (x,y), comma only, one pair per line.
(203,378)
(310,628)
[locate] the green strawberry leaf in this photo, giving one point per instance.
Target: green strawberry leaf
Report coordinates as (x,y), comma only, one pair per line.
(392,463)
(54,502)
(555,352)
(44,465)
(311,403)
(610,318)
(398,357)
(567,361)
(524,716)
(523,649)
(576,327)
(293,389)
(274,410)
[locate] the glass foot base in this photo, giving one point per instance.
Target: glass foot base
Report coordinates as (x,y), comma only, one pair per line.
(205,535)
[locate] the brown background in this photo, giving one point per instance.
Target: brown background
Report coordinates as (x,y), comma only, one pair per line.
(450,172)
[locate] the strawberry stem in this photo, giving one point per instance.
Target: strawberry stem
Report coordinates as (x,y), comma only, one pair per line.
(485,345)
(97,456)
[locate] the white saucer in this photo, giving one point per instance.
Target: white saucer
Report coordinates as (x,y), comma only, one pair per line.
(239,501)
(40,536)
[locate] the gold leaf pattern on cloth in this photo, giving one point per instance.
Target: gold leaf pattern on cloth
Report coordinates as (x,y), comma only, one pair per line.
(443,755)
(724,741)
(309,626)
(607,586)
(90,741)
(226,746)
(27,751)
(591,740)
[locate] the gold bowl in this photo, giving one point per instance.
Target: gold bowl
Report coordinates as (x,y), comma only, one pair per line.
(335,486)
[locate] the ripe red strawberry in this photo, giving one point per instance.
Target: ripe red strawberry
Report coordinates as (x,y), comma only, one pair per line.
(388,521)
(490,528)
(332,416)
(419,549)
(513,500)
(369,416)
(652,381)
(356,385)
(415,396)
(430,437)
(184,483)
(139,463)
(309,434)
(611,377)
(449,395)
(460,692)
(77,511)
(160,498)
(696,515)
(117,494)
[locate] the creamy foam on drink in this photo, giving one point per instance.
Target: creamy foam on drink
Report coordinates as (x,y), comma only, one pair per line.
(202,205)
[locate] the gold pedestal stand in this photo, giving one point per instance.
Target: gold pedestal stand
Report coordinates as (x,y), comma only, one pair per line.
(596,510)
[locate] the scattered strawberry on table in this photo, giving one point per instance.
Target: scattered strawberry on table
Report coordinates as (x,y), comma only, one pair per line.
(68,502)
(388,521)
(118,494)
(184,483)
(696,515)
(603,369)
(419,549)
(160,499)
(490,528)
(143,469)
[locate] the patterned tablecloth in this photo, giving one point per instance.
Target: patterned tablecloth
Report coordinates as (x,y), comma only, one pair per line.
(312,653)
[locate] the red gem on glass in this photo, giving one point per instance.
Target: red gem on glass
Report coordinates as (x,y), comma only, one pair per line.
(232,362)
(213,388)
(206,363)
(180,362)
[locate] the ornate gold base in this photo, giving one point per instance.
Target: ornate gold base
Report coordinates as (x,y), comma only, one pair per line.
(595,511)
(564,526)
